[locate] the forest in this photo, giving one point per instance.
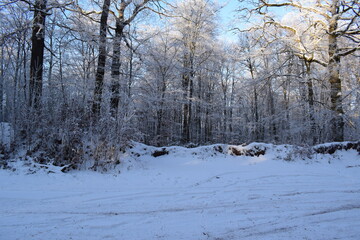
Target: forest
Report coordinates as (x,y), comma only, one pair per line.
(83,79)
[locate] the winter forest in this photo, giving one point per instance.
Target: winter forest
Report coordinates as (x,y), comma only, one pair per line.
(98,74)
(180,119)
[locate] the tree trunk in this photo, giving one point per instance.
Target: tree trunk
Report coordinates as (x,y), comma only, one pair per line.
(37,53)
(273,128)
(311,101)
(16,81)
(185,138)
(337,121)
(100,71)
(198,111)
(186,110)
(115,68)
(24,69)
(160,111)
(232,98)
(2,84)
(256,102)
(51,85)
(63,92)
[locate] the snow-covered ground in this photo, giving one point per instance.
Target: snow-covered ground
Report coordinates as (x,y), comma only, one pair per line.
(190,195)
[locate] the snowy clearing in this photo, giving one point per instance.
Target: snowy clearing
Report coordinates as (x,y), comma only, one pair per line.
(188,194)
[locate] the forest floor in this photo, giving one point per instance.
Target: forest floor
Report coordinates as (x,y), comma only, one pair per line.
(190,195)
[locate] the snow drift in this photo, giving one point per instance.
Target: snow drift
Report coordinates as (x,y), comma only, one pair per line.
(258,191)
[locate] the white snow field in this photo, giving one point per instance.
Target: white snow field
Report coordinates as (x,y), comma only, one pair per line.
(187,194)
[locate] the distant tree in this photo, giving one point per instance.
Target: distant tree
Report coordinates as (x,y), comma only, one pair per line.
(196,26)
(339,21)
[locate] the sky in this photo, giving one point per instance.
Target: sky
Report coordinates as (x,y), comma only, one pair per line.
(230,6)
(228,16)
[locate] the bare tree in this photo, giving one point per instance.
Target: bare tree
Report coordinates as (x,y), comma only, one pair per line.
(37,53)
(338,20)
(121,21)
(100,71)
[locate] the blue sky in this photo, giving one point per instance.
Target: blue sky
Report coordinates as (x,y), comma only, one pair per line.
(227,15)
(228,11)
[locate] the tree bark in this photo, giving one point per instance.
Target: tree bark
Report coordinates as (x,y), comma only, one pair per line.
(311,102)
(121,23)
(37,54)
(115,68)
(185,136)
(2,84)
(100,71)
(256,102)
(337,121)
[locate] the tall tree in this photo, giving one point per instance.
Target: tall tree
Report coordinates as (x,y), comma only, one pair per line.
(100,71)
(37,53)
(122,19)
(197,30)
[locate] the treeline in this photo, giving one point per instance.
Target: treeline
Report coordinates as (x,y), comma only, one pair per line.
(94,75)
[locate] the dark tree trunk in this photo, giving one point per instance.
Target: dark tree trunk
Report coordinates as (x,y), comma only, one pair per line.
(273,128)
(16,80)
(1,84)
(185,136)
(115,68)
(160,111)
(311,101)
(256,102)
(100,71)
(198,111)
(37,53)
(286,97)
(121,23)
(232,97)
(24,69)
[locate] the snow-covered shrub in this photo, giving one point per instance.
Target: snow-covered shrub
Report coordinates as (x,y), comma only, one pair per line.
(252,150)
(298,152)
(105,155)
(330,148)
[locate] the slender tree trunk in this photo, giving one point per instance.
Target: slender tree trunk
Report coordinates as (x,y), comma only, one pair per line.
(50,71)
(273,128)
(232,98)
(311,101)
(256,102)
(160,111)
(37,53)
(191,94)
(185,138)
(26,100)
(115,68)
(2,84)
(208,118)
(224,86)
(100,71)
(198,111)
(16,81)
(63,92)
(286,97)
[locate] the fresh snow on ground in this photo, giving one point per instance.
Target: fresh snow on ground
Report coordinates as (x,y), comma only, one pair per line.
(190,194)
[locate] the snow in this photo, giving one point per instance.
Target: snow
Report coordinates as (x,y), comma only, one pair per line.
(187,194)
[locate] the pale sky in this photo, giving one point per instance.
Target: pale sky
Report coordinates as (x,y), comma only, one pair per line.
(227,15)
